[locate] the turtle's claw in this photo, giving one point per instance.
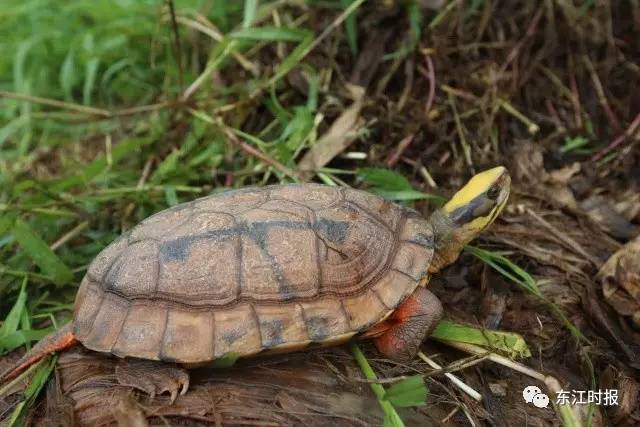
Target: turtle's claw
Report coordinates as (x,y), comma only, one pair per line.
(152,377)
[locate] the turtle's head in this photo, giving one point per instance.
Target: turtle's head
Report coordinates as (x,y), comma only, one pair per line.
(472,209)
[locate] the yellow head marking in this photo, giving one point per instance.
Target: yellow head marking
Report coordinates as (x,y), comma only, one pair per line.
(470,210)
(477,185)
(478,203)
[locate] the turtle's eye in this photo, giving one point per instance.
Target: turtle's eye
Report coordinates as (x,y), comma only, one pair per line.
(493,192)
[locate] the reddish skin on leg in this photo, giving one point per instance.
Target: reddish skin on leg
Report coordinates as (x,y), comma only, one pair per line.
(409,325)
(58,340)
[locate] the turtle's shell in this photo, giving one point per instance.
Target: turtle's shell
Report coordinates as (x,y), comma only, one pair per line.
(244,271)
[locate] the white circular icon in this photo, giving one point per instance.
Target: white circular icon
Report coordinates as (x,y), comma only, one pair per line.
(530,392)
(540,400)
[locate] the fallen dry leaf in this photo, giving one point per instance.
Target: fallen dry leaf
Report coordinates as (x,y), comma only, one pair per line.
(620,277)
(340,135)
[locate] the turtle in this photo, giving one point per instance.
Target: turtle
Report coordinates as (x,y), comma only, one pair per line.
(266,270)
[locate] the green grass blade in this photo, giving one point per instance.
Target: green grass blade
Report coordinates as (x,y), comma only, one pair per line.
(522,278)
(509,343)
(507,268)
(250,12)
(19,338)
(91,71)
(391,417)
(415,22)
(11,322)
(99,165)
(409,392)
(407,195)
(226,361)
(67,75)
(351,28)
(266,33)
(38,250)
(43,370)
(385,179)
(393,186)
(292,59)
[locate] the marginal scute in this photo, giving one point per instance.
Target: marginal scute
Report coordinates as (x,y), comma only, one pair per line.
(281,324)
(236,331)
(189,337)
(88,302)
(107,323)
(324,318)
(142,333)
(364,310)
(394,287)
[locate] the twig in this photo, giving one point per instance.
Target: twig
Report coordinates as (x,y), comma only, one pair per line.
(564,238)
(575,98)
(146,171)
(141,109)
(265,158)
(628,133)
(566,411)
(402,146)
(178,44)
(69,235)
(55,103)
(532,127)
(256,152)
(422,170)
(207,28)
(336,23)
(496,358)
(458,365)
(440,16)
(554,116)
(209,68)
(455,380)
(531,30)
(463,140)
(602,97)
(458,93)
(249,149)
(431,77)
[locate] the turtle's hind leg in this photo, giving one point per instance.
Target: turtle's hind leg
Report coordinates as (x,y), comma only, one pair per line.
(57,340)
(409,325)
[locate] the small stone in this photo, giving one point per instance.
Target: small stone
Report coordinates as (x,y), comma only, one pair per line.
(498,389)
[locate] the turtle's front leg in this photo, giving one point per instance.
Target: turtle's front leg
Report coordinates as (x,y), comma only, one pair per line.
(409,325)
(153,377)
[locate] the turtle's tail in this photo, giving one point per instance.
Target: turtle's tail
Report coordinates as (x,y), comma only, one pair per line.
(57,340)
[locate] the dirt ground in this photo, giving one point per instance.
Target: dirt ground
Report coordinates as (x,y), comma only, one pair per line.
(514,83)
